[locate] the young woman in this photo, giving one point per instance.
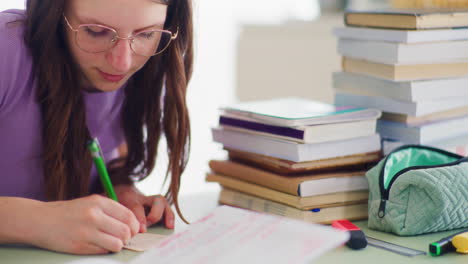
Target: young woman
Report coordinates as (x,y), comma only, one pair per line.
(72,70)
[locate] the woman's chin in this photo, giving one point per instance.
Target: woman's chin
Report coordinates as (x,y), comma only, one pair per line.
(106,86)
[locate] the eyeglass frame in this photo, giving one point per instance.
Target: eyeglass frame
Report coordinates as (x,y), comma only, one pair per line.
(117,37)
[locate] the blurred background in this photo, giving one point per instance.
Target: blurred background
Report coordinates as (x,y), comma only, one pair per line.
(260,49)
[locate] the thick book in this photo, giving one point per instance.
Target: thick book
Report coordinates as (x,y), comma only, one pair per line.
(426,133)
(413,91)
(408,18)
(302,203)
(420,120)
(292,111)
(402,53)
(302,134)
(457,145)
(402,107)
(401,36)
(282,166)
(316,215)
(293,151)
(305,185)
(406,72)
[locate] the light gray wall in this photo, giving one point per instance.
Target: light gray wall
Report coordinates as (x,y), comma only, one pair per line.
(291,59)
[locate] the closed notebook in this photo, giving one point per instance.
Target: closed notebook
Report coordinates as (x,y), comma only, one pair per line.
(303,203)
(305,185)
(292,111)
(318,215)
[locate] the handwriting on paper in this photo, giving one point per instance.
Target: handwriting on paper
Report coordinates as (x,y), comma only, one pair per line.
(231,235)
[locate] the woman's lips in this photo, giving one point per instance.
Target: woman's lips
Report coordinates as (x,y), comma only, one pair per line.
(111,77)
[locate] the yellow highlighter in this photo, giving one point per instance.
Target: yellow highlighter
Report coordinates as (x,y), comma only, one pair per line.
(460,242)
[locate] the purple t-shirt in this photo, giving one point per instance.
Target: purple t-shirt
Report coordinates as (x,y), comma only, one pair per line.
(21,167)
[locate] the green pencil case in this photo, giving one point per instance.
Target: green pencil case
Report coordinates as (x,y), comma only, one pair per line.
(418,189)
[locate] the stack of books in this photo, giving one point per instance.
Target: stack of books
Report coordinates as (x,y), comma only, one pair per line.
(296,158)
(412,65)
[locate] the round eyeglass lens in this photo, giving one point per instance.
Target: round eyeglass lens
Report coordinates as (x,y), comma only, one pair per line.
(95,38)
(149,43)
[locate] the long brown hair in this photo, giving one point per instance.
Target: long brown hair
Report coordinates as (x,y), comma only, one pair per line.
(154,105)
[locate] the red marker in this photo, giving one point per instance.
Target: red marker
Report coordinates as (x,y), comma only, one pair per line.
(357,238)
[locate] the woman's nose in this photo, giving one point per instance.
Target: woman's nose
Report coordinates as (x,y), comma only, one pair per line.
(120,56)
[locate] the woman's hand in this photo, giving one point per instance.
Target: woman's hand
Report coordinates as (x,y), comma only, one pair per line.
(147,209)
(89,225)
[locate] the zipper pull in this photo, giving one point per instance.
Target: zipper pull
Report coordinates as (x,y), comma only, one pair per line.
(381,213)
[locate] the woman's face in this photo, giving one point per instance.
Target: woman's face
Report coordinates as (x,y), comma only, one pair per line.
(109,70)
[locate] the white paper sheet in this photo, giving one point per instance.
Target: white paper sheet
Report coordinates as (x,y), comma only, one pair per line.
(232,235)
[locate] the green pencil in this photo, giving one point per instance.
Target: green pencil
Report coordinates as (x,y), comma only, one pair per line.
(98,159)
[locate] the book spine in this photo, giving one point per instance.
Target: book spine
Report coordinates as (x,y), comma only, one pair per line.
(302,203)
(256,176)
(238,199)
(256,190)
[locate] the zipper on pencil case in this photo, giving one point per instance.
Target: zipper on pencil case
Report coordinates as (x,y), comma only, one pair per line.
(385,192)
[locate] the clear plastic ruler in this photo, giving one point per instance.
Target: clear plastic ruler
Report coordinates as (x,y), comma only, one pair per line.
(405,251)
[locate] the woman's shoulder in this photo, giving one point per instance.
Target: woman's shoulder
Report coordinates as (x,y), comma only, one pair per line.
(16,66)
(12,29)
(13,14)
(12,33)
(11,19)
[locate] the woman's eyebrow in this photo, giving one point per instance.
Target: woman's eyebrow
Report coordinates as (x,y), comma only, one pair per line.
(164,2)
(89,20)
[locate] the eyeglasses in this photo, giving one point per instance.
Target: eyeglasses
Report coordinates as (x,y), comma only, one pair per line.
(94,38)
